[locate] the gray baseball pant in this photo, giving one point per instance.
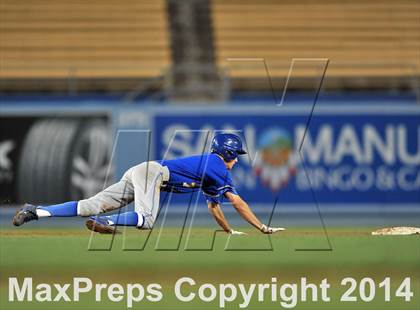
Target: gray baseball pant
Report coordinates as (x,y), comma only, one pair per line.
(140,184)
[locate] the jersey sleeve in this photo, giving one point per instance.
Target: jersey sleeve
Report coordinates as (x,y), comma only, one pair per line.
(220,183)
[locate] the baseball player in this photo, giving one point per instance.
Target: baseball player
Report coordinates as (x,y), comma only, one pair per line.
(143,183)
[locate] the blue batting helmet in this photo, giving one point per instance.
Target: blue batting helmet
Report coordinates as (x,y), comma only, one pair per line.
(227,145)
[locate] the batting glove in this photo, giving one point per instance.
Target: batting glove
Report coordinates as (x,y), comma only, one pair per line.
(270,230)
(234,232)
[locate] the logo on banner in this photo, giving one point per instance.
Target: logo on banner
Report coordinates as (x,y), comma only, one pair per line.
(275,161)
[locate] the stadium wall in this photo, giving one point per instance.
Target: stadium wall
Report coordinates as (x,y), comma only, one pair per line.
(352,154)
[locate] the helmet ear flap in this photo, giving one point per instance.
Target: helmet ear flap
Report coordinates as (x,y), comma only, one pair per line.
(231,155)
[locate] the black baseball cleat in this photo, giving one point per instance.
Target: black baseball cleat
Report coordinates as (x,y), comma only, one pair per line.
(26,214)
(100,225)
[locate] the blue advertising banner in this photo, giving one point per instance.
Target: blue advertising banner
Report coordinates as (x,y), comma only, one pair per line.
(349,155)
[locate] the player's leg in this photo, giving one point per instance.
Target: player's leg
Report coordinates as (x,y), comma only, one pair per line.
(115,196)
(106,223)
(30,212)
(147,181)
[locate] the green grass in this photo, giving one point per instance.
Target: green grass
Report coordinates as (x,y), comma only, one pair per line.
(56,256)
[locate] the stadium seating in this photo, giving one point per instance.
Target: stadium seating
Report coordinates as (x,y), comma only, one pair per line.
(83,38)
(129,39)
(374,38)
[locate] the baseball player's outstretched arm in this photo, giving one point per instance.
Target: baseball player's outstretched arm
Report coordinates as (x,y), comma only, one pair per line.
(245,211)
(218,215)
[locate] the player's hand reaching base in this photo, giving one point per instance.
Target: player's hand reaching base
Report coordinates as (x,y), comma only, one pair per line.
(235,232)
(270,230)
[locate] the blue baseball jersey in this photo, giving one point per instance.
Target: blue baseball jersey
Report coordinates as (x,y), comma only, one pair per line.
(207,171)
